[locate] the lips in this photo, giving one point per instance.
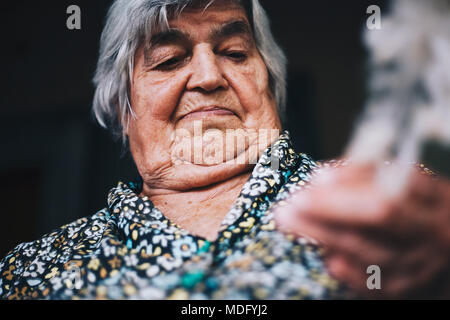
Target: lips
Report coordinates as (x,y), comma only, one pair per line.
(207,112)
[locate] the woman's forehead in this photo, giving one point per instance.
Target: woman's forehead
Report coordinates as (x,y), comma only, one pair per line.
(211,24)
(204,5)
(216,14)
(213,33)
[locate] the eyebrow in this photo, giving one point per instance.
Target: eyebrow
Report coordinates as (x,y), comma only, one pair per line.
(233,28)
(169,36)
(228,29)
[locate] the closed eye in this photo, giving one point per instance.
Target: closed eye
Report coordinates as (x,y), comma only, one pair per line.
(237,56)
(169,64)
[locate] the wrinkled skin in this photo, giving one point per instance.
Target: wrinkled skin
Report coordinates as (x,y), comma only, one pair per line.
(179,75)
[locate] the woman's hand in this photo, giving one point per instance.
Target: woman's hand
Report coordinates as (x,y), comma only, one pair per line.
(359,225)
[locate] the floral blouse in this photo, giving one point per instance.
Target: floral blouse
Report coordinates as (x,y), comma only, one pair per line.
(130,250)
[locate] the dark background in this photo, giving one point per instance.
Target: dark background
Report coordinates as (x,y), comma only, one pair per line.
(57,164)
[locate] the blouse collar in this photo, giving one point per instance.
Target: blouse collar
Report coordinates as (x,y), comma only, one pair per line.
(139,220)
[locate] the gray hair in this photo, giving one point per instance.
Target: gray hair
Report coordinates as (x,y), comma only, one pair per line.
(129,22)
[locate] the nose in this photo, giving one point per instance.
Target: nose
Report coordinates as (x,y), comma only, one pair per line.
(206,73)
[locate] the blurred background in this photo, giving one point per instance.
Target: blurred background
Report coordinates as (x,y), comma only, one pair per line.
(57,164)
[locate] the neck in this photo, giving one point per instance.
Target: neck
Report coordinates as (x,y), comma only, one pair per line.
(201,193)
(199,210)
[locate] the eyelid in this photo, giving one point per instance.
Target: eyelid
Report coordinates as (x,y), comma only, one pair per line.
(179,60)
(160,59)
(239,48)
(238,55)
(236,52)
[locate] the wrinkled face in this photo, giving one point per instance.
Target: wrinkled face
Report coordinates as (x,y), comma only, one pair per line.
(198,90)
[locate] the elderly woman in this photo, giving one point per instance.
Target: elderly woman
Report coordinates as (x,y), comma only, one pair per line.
(196,88)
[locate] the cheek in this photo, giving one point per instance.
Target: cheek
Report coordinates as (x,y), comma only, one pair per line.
(154,95)
(150,132)
(148,122)
(156,98)
(250,82)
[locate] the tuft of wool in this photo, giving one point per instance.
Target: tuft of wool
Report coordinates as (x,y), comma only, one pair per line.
(409,88)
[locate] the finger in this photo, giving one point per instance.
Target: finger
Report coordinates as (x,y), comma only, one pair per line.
(346,196)
(348,241)
(415,220)
(405,221)
(352,274)
(345,175)
(404,245)
(350,207)
(414,284)
(424,190)
(368,250)
(287,222)
(360,252)
(394,285)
